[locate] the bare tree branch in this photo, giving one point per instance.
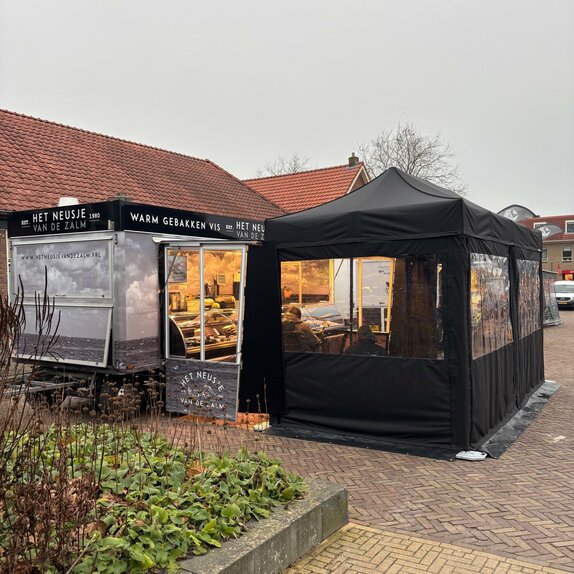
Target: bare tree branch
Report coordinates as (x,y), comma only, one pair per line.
(283,165)
(427,157)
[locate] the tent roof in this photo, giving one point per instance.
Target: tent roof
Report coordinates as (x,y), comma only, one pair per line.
(396,206)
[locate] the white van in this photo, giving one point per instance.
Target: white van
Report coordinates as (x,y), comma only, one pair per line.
(564,294)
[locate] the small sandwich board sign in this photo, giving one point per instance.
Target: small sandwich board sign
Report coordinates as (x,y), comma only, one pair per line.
(202,388)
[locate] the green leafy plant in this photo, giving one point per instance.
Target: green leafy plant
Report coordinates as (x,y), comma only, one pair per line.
(133,500)
(113,493)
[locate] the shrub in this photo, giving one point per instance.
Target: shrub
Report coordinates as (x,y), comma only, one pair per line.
(110,494)
(112,499)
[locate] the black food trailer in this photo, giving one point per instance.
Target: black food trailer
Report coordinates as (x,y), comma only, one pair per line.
(138,288)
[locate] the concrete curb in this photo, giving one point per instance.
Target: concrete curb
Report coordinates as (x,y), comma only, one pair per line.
(272,544)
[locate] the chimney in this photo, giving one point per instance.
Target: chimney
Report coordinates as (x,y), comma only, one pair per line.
(353,160)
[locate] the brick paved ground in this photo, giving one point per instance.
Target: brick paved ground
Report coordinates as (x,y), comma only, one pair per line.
(520,506)
(363,550)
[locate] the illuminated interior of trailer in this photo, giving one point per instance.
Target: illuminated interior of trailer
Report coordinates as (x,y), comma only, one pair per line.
(205,286)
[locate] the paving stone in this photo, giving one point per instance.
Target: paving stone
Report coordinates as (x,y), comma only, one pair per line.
(438,557)
(519,507)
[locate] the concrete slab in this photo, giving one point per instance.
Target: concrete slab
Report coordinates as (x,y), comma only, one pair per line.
(272,544)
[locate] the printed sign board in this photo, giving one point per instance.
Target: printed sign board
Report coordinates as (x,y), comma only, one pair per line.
(207,389)
(73,268)
(155,219)
(73,342)
(126,216)
(69,219)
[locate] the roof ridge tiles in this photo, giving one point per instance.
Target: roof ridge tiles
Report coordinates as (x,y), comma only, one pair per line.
(552,216)
(106,136)
(359,165)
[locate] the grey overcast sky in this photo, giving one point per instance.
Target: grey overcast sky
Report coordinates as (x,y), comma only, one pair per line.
(242,82)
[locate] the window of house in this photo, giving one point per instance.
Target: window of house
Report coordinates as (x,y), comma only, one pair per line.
(569,226)
(567,253)
(539,224)
(544,254)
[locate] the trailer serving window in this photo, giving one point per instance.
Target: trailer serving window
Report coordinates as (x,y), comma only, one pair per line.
(203,301)
(77,276)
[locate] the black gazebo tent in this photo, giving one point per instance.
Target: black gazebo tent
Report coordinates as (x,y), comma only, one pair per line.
(488,358)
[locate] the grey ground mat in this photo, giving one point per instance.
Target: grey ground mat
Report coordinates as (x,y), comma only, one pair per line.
(497,444)
(289,429)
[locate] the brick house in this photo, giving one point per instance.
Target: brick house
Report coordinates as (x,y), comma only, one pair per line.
(557,249)
(42,161)
(297,191)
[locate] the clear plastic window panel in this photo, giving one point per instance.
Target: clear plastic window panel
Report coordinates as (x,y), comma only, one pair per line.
(305,282)
(528,297)
(375,306)
(489,303)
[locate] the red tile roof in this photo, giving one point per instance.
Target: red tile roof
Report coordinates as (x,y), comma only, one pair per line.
(298,191)
(559,220)
(41,161)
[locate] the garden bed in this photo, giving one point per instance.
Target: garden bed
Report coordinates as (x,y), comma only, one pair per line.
(113,498)
(270,546)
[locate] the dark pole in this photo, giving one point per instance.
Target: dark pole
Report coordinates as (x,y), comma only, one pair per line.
(351,303)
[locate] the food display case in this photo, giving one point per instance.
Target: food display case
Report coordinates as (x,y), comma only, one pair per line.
(220,334)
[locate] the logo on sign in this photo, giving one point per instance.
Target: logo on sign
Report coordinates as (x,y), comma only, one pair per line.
(202,389)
